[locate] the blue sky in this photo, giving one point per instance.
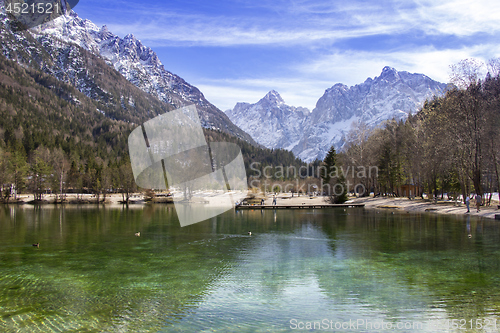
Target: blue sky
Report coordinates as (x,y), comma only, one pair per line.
(236,51)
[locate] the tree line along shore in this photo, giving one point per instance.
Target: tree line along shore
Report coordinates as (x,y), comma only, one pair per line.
(448,149)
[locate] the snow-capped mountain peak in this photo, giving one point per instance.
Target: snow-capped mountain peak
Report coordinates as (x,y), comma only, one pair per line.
(392,94)
(389,74)
(270,121)
(104,33)
(272,97)
(138,63)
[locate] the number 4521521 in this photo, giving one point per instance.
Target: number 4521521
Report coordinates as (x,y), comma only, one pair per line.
(34,8)
(478,324)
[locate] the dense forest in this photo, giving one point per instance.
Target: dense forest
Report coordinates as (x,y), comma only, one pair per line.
(451,146)
(54,138)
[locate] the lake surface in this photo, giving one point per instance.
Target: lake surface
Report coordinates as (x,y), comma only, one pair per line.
(300,270)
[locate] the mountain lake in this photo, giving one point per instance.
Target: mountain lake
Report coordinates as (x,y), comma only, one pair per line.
(337,270)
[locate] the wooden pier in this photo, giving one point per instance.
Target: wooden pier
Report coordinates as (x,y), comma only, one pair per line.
(304,206)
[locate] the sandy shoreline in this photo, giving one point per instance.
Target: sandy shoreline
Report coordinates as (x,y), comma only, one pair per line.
(397,205)
(423,206)
(83,199)
(390,204)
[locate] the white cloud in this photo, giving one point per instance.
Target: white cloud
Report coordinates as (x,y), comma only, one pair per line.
(457,17)
(223,35)
(351,68)
(297,92)
(317,27)
(305,22)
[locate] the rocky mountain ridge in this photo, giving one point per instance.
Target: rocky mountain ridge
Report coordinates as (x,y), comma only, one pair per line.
(59,48)
(273,123)
(392,95)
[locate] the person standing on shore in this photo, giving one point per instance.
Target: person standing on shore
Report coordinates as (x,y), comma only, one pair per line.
(467,203)
(478,201)
(274,200)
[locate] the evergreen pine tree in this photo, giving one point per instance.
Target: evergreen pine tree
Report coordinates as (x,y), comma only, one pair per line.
(340,198)
(336,188)
(328,167)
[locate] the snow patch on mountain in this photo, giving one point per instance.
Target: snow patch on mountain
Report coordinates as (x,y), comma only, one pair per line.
(392,95)
(138,63)
(271,122)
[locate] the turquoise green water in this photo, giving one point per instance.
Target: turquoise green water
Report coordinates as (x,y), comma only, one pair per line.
(300,270)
